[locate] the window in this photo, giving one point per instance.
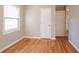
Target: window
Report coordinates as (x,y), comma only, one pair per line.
(11,19)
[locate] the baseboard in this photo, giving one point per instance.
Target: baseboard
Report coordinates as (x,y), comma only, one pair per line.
(61,36)
(53,38)
(1,50)
(31,37)
(74,45)
(38,37)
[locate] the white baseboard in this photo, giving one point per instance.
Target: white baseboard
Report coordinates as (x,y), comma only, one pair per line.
(1,50)
(74,45)
(38,37)
(31,37)
(53,38)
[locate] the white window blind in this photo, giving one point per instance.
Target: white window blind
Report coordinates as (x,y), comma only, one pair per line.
(11,18)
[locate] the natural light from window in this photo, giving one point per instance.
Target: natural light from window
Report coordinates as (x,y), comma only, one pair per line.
(11,18)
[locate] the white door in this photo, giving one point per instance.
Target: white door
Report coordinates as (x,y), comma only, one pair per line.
(45,23)
(60,23)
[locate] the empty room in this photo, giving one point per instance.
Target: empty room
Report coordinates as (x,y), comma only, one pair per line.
(39,28)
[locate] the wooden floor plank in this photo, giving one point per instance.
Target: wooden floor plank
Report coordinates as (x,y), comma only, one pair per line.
(27,45)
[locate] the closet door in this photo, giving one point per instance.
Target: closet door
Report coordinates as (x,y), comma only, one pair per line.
(60,23)
(45,23)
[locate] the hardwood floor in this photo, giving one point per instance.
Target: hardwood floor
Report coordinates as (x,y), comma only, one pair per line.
(27,45)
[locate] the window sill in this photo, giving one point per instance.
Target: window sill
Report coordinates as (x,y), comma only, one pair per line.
(10,31)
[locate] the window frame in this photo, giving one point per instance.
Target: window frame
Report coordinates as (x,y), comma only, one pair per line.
(11,30)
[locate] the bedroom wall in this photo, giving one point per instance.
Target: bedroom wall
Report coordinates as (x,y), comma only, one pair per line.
(11,37)
(74,25)
(32,19)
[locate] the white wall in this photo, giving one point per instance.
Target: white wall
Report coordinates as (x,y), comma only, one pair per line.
(33,20)
(11,37)
(74,25)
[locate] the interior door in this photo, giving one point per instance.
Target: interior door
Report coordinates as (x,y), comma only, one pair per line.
(60,23)
(45,23)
